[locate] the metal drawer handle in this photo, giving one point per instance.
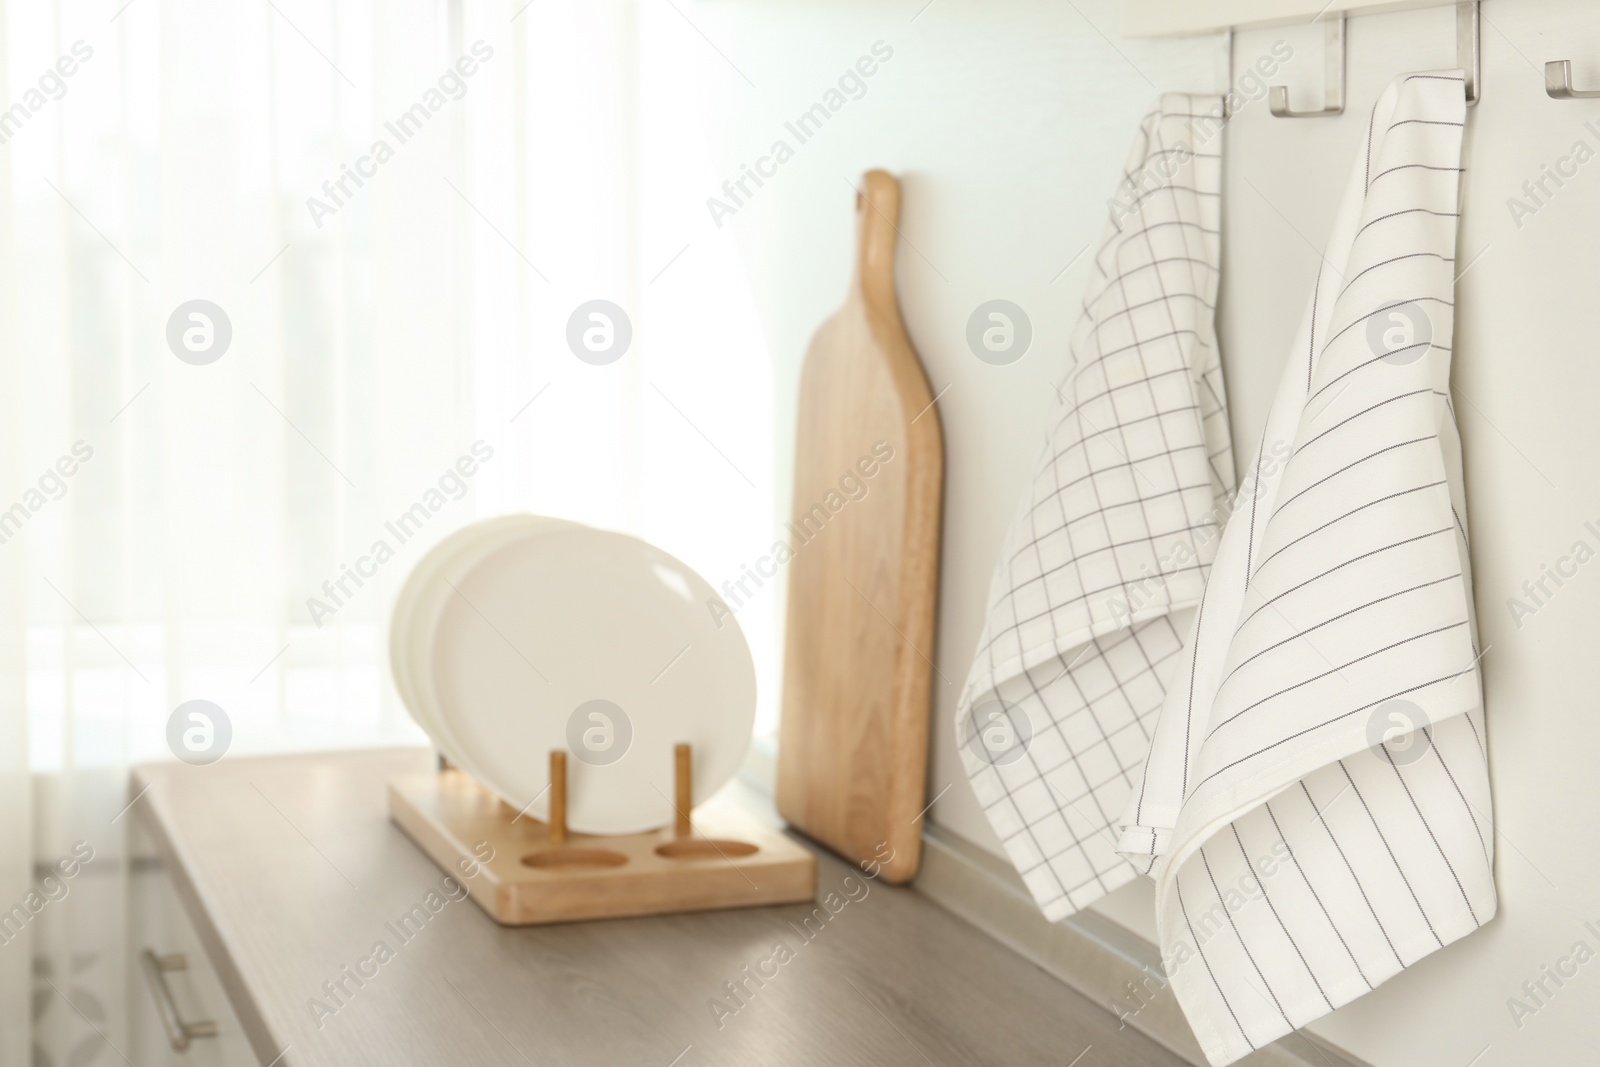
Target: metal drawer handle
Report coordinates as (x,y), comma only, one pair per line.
(179,1033)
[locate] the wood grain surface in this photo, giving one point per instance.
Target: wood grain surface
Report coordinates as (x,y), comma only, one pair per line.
(869,473)
(523,874)
(292,871)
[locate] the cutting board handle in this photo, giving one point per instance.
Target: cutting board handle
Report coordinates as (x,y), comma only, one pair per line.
(877,231)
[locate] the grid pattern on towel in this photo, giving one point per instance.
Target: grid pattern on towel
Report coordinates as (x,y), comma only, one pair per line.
(1116,528)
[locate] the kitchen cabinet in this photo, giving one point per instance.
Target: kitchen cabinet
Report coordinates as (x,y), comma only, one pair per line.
(191,996)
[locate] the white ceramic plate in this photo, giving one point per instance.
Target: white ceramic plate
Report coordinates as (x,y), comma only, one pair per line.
(430,585)
(593,642)
(405,621)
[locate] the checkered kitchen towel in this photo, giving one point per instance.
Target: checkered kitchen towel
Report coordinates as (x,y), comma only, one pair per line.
(1108,555)
(1315,806)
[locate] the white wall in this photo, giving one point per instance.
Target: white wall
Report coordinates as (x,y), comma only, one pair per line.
(1007,121)
(1008,124)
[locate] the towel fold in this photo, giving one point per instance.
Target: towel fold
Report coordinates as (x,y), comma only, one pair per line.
(1108,554)
(1315,806)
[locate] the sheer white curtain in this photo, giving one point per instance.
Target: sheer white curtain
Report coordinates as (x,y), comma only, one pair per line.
(397,207)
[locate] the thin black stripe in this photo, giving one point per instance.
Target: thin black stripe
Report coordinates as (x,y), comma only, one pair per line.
(1394,259)
(1206,862)
(1427,122)
(1360,888)
(1471,811)
(1408,211)
(1274,909)
(1388,307)
(1327,722)
(1346,515)
(1392,857)
(1306,878)
(1357,415)
(1387,755)
(1201,951)
(1339,566)
(1325,622)
(1347,466)
(1318,677)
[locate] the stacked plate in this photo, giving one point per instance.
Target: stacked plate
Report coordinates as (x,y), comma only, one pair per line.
(523,634)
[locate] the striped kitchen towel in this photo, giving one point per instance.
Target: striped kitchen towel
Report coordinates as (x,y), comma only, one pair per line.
(1108,554)
(1315,806)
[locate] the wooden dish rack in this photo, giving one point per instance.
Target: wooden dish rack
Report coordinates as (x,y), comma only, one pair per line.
(522,871)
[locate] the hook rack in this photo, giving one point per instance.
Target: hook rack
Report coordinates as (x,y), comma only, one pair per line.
(1333,80)
(1558,82)
(1468,55)
(1227,86)
(1469,51)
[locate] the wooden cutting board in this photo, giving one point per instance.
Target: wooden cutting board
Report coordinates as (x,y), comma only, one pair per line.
(863,580)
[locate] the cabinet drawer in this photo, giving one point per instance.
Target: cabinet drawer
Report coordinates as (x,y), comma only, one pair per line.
(189,995)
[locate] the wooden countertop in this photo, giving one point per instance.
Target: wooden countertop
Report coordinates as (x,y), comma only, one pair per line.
(292,872)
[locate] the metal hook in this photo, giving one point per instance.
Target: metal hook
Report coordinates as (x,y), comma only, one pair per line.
(1333,79)
(1227,90)
(1468,50)
(1558,82)
(1468,55)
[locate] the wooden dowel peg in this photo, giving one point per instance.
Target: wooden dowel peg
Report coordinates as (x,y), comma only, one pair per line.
(683,782)
(558,797)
